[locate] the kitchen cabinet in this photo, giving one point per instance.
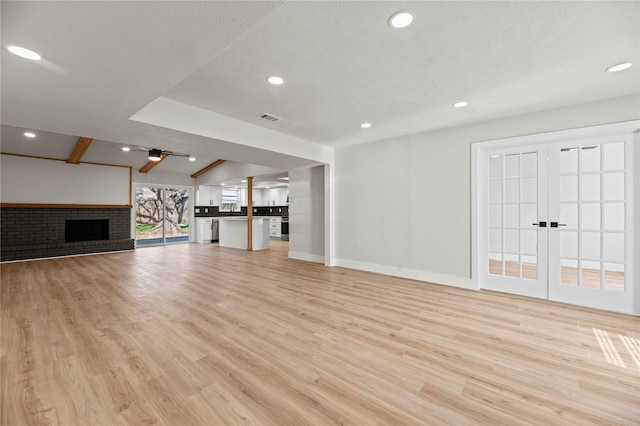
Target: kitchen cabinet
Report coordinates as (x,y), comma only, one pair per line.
(204,196)
(203,230)
(233,232)
(208,195)
(275,227)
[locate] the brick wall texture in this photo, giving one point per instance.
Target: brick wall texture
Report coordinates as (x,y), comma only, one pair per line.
(30,233)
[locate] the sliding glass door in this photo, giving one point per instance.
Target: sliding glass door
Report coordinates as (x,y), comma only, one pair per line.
(162,215)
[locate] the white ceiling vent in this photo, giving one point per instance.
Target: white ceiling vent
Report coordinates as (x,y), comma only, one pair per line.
(269,117)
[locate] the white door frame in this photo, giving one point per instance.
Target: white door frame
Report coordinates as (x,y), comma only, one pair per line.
(623,128)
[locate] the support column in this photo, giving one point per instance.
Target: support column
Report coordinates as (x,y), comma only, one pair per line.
(250,213)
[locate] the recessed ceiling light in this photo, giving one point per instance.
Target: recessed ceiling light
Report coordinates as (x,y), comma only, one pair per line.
(619,67)
(275,80)
(125,149)
(192,158)
(24,53)
(222,184)
(365,125)
(461,104)
(401,19)
(243,181)
(29,135)
(267,187)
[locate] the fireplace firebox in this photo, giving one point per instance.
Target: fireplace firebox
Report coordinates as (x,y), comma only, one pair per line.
(86,230)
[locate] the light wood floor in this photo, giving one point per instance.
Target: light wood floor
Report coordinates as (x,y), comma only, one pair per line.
(201,335)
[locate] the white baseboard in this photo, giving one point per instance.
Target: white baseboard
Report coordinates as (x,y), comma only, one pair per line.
(306,256)
(412,274)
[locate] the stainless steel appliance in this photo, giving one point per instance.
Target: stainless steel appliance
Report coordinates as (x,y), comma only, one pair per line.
(284,227)
(215,233)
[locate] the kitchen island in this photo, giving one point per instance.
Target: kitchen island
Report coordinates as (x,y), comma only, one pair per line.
(233,232)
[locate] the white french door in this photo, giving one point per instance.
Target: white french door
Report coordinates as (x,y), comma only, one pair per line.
(515,203)
(590,250)
(555,221)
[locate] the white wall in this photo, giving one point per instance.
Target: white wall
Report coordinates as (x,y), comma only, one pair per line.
(403,205)
(307,214)
(41,181)
(161,179)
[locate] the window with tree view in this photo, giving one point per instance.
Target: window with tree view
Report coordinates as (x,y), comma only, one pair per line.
(162,215)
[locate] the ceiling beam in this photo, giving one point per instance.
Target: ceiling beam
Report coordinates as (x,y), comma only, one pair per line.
(78,151)
(209,167)
(151,164)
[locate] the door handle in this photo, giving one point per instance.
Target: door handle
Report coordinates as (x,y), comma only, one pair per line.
(541,224)
(556,224)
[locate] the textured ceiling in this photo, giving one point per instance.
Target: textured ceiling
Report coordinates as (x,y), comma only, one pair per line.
(342,65)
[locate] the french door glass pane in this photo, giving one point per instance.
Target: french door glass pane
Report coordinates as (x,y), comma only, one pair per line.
(569,160)
(590,214)
(614,276)
(512,190)
(614,156)
(590,274)
(590,245)
(495,263)
(590,187)
(614,186)
(529,214)
(613,246)
(569,244)
(511,215)
(590,160)
(530,267)
(511,265)
(568,188)
(530,164)
(512,239)
(614,216)
(569,271)
(529,240)
(512,165)
(569,215)
(598,215)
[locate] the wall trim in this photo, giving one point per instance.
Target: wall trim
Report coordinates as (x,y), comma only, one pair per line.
(65,206)
(306,257)
(412,274)
(67,255)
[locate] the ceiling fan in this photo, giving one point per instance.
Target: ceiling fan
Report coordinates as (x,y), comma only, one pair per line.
(157,154)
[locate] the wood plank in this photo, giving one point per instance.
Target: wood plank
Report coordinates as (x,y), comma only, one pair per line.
(271,340)
(209,167)
(79,150)
(151,164)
